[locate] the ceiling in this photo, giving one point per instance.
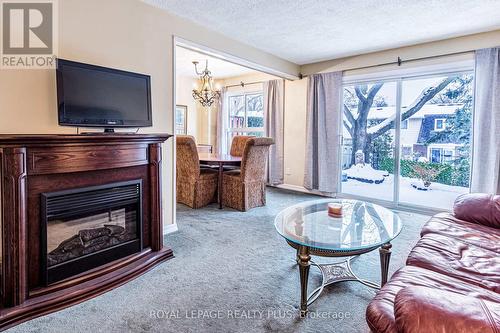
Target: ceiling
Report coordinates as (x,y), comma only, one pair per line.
(306,31)
(219,68)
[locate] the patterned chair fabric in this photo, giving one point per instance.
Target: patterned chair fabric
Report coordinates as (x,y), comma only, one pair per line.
(195,188)
(246,188)
(238,144)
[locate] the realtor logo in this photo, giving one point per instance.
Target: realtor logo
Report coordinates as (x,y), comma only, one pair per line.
(28,34)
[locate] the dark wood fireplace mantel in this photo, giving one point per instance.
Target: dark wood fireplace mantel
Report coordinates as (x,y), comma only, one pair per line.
(32,165)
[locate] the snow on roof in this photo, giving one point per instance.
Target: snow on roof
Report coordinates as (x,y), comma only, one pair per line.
(428,109)
(388,114)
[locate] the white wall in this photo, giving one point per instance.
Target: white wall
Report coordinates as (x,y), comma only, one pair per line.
(295,131)
(183,96)
(438,48)
(125,34)
(206,125)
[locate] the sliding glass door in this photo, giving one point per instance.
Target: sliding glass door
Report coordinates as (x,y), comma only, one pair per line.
(368,139)
(436,140)
(408,141)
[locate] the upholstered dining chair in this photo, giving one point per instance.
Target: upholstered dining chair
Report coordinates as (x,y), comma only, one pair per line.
(238,144)
(195,187)
(246,188)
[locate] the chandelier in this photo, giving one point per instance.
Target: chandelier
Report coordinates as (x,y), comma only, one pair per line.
(206,95)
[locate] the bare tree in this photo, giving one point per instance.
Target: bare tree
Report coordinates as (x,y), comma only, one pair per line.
(357,123)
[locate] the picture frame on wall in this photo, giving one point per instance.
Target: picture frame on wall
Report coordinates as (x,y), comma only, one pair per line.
(181,119)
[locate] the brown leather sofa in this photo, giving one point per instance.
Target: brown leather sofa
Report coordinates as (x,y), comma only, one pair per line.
(451,281)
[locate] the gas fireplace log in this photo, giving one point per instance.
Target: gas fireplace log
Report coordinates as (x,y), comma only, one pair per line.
(88,241)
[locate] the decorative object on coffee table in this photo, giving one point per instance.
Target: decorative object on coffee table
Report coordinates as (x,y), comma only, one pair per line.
(362,228)
(335,209)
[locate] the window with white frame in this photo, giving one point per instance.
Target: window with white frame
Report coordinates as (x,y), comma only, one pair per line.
(442,155)
(439,124)
(245,112)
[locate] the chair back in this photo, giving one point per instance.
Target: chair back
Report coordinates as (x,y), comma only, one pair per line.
(254,159)
(238,144)
(188,163)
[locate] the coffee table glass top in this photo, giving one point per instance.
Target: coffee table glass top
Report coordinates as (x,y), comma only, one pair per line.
(363,225)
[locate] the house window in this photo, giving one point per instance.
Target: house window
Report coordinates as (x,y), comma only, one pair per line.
(439,124)
(447,156)
(436,155)
(404,124)
(406,152)
(441,155)
(245,115)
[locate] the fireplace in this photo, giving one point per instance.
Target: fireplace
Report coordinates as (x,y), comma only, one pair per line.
(87,227)
(103,189)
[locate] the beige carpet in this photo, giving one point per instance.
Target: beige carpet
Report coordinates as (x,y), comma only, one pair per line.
(232,273)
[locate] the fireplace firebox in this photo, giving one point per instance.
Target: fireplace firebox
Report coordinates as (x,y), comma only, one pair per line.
(87,227)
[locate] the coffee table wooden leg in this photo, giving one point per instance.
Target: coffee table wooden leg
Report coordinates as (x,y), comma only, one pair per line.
(303,259)
(221,174)
(385,257)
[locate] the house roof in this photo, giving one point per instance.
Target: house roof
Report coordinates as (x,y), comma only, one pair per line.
(428,109)
(427,114)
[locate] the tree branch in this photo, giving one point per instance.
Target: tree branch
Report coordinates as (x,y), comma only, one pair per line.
(374,90)
(350,93)
(348,115)
(359,94)
(349,129)
(425,96)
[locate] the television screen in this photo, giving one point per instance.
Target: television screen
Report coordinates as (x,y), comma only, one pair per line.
(93,96)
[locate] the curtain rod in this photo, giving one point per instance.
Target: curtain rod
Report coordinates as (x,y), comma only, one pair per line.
(243,84)
(398,62)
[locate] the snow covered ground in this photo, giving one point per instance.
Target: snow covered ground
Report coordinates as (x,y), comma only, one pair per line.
(440,196)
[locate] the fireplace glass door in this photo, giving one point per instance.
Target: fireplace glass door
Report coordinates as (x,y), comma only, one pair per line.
(89,227)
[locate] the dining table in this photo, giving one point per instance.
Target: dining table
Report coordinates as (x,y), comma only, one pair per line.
(219,160)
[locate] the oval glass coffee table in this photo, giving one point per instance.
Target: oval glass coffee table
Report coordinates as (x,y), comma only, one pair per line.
(363,227)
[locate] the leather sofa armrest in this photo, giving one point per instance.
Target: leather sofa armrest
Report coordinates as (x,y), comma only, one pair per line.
(422,309)
(478,208)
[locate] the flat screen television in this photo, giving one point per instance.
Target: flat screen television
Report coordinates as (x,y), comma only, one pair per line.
(94,96)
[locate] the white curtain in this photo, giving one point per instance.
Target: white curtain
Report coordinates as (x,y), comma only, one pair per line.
(486,151)
(324,97)
(220,145)
(273,122)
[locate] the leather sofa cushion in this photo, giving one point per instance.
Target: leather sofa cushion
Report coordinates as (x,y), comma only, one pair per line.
(472,233)
(380,312)
(423,309)
(478,208)
(449,256)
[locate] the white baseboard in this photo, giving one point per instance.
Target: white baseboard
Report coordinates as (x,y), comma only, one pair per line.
(293,188)
(170,228)
(302,189)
